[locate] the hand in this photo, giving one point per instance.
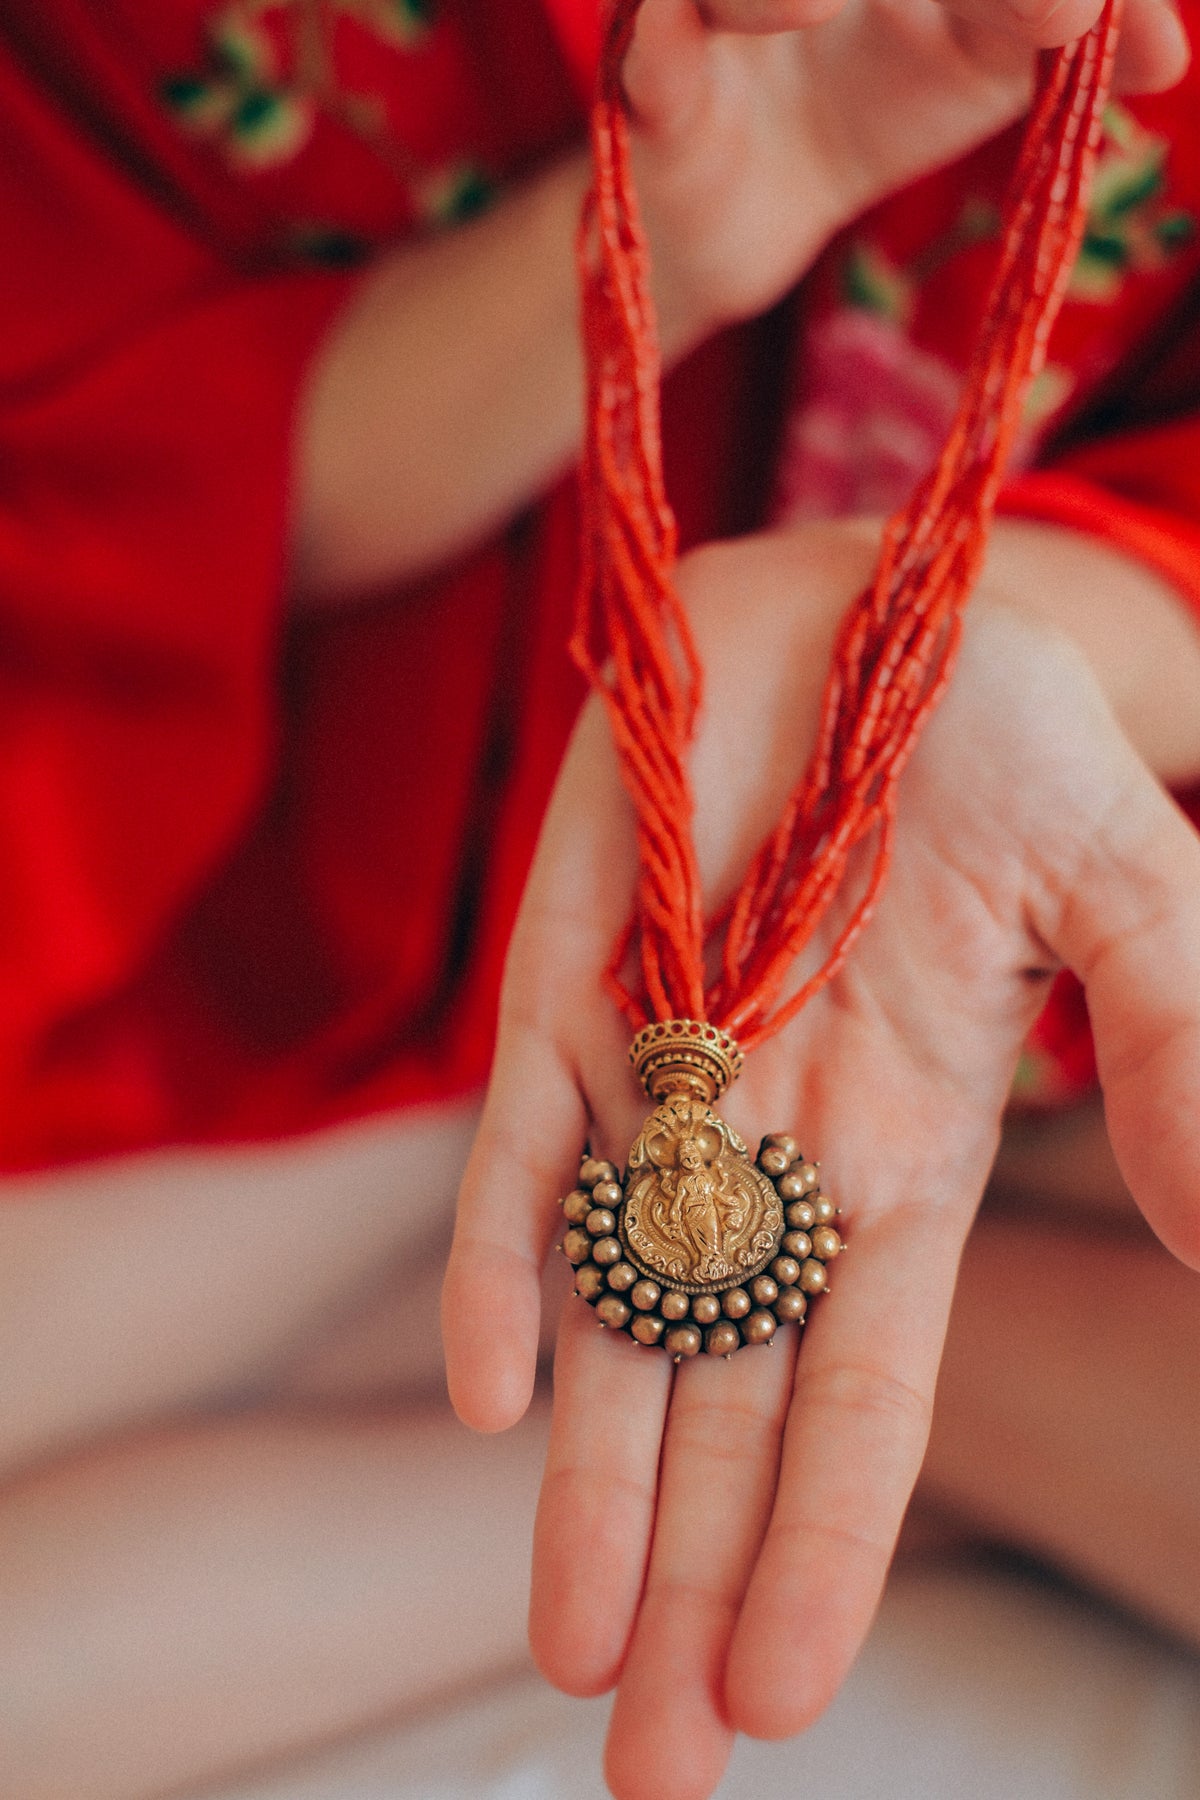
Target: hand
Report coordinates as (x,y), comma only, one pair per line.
(763,126)
(714,1538)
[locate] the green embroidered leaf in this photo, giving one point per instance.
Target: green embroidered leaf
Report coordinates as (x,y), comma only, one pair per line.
(872,282)
(1095,279)
(419,13)
(327,245)
(1045,395)
(268,127)
(1107,247)
(403,22)
(244,50)
(1120,126)
(1122,187)
(1174,230)
(183,92)
(203,106)
(458,192)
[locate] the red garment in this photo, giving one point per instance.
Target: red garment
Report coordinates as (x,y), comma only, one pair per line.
(258,874)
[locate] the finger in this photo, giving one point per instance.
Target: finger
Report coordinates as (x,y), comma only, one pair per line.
(1153,52)
(766,16)
(669,1734)
(854,1441)
(1129,925)
(525,1157)
(596,1510)
(535,1117)
(666,68)
(1039,24)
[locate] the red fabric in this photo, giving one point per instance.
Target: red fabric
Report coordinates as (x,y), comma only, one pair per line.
(258,874)
(578,31)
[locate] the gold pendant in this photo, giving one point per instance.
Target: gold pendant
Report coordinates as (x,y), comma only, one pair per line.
(698,1248)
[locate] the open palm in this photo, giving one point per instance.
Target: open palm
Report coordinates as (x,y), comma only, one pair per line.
(713,1538)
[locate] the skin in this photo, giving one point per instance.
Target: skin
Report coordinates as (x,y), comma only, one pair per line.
(206,1368)
(1031,833)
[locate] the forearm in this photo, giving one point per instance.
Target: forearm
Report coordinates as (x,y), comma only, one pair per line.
(1132,626)
(447,396)
(450,393)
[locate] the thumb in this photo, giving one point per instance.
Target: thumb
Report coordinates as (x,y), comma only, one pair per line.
(666,67)
(1129,926)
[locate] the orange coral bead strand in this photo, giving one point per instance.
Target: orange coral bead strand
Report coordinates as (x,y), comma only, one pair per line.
(896,646)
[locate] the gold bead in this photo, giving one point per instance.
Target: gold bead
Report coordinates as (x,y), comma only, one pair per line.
(645,1295)
(683,1340)
(591,1170)
(772,1161)
(606,1251)
(764,1290)
(600,1222)
(783,1140)
(589,1281)
(722,1339)
(812,1276)
(791,1305)
(675,1305)
(809,1174)
(791,1185)
(759,1328)
(801,1216)
(577,1245)
(613,1310)
(647,1330)
(797,1244)
(735,1303)
(622,1275)
(826,1243)
(786,1270)
(607,1193)
(577,1206)
(706,1309)
(824,1209)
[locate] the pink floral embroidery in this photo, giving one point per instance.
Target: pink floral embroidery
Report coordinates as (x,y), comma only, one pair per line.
(875,413)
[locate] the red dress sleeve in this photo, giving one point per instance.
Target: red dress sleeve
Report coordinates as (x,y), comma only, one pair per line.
(147,401)
(1138,491)
(1128,471)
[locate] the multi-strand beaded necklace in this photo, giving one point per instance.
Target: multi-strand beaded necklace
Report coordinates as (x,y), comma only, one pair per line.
(698,1247)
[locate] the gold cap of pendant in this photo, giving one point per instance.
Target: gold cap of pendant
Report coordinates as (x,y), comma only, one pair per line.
(685,1053)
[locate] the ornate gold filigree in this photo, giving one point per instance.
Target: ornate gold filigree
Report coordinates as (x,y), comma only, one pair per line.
(698,1248)
(697,1213)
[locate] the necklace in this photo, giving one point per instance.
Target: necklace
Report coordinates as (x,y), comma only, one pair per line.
(699,1247)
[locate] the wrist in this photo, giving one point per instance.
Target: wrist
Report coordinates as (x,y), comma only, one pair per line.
(1131,625)
(1137,639)
(709,268)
